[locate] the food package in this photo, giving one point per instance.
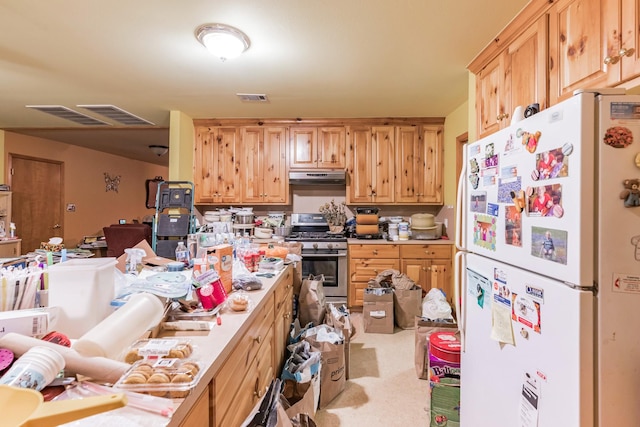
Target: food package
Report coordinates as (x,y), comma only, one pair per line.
(156,348)
(173,378)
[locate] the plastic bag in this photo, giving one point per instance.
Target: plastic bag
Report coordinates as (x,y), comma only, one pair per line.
(435,305)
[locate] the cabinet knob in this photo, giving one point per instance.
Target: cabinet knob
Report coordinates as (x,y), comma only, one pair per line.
(287,315)
(502,116)
(258,339)
(375,252)
(611,60)
(627,52)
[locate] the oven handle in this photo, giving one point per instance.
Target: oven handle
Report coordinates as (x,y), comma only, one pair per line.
(337,255)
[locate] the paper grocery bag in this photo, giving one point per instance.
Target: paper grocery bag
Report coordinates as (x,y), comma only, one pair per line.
(377,310)
(424,328)
(299,397)
(312,300)
(407,304)
(332,375)
(339,318)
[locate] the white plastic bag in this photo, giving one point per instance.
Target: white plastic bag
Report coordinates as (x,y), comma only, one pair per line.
(435,305)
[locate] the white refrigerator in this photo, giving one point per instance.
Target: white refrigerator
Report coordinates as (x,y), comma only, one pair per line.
(548,268)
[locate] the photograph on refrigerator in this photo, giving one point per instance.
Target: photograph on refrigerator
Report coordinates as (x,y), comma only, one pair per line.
(551,164)
(549,244)
(543,200)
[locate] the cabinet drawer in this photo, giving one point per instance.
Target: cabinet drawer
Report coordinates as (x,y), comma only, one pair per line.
(425,251)
(361,270)
(243,354)
(283,291)
(374,251)
(250,389)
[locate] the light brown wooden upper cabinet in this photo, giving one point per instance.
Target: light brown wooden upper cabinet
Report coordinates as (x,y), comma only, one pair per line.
(576,51)
(419,164)
(516,76)
(217,165)
(370,164)
(264,165)
(622,40)
(317,147)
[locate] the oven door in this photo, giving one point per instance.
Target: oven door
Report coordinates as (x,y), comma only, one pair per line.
(334,268)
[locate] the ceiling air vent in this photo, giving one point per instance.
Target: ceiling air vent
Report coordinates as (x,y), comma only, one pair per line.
(117,114)
(68,114)
(253,97)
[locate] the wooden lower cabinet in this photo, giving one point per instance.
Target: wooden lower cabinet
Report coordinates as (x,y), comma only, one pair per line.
(200,413)
(365,263)
(428,265)
(255,360)
(282,322)
(10,248)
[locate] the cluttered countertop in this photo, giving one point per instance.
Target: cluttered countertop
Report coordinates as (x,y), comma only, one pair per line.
(209,337)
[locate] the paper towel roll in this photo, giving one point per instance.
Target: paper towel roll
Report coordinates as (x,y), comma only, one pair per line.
(122,328)
(97,368)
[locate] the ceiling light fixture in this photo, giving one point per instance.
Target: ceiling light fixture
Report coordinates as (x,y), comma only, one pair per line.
(159,150)
(223,41)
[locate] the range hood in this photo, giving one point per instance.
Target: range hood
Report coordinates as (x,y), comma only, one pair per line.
(337,177)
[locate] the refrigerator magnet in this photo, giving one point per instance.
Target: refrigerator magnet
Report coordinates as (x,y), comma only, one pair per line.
(479,202)
(529,140)
(526,311)
(631,193)
(484,231)
(506,187)
(635,241)
(618,137)
(552,164)
(549,244)
(474,180)
(513,226)
(474,167)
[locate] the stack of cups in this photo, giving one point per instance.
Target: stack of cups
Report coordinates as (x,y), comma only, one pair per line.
(35,369)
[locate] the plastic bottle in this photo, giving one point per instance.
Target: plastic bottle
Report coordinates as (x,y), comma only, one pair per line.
(182,253)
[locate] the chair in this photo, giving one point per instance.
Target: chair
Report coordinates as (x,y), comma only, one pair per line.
(122,236)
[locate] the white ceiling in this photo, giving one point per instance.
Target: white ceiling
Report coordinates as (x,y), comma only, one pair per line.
(312,58)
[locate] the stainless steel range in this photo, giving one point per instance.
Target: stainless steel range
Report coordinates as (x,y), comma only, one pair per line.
(322,253)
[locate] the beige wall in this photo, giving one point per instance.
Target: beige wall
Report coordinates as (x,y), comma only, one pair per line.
(181,147)
(455,124)
(85,184)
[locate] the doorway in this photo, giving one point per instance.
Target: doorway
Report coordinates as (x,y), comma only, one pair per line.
(36,186)
(460,141)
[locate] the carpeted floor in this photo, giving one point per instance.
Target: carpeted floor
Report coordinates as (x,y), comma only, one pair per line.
(383,389)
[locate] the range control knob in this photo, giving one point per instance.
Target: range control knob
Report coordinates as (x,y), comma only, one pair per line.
(315,246)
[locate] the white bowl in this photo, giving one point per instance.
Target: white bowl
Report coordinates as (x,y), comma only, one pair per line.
(262,233)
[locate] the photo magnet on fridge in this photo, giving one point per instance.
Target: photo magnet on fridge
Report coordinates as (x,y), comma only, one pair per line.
(549,244)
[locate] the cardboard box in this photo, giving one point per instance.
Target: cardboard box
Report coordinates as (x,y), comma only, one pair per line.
(224,265)
(31,323)
(151,258)
(377,311)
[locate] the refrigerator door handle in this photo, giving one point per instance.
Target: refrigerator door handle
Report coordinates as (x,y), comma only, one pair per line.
(459,294)
(460,196)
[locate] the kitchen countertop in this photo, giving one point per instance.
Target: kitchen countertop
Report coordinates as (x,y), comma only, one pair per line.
(211,349)
(354,241)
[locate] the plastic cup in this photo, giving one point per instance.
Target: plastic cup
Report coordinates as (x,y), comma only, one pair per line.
(205,295)
(35,369)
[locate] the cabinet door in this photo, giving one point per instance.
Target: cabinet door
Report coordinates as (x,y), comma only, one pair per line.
(361,271)
(432,165)
(526,68)
(204,165)
(490,99)
(332,147)
(264,165)
(303,147)
(252,143)
(274,167)
(383,139)
(576,51)
(430,274)
(217,165)
(227,160)
(410,172)
(359,167)
(200,412)
(622,40)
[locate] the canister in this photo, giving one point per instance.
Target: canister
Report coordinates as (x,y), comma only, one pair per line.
(403,230)
(393,231)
